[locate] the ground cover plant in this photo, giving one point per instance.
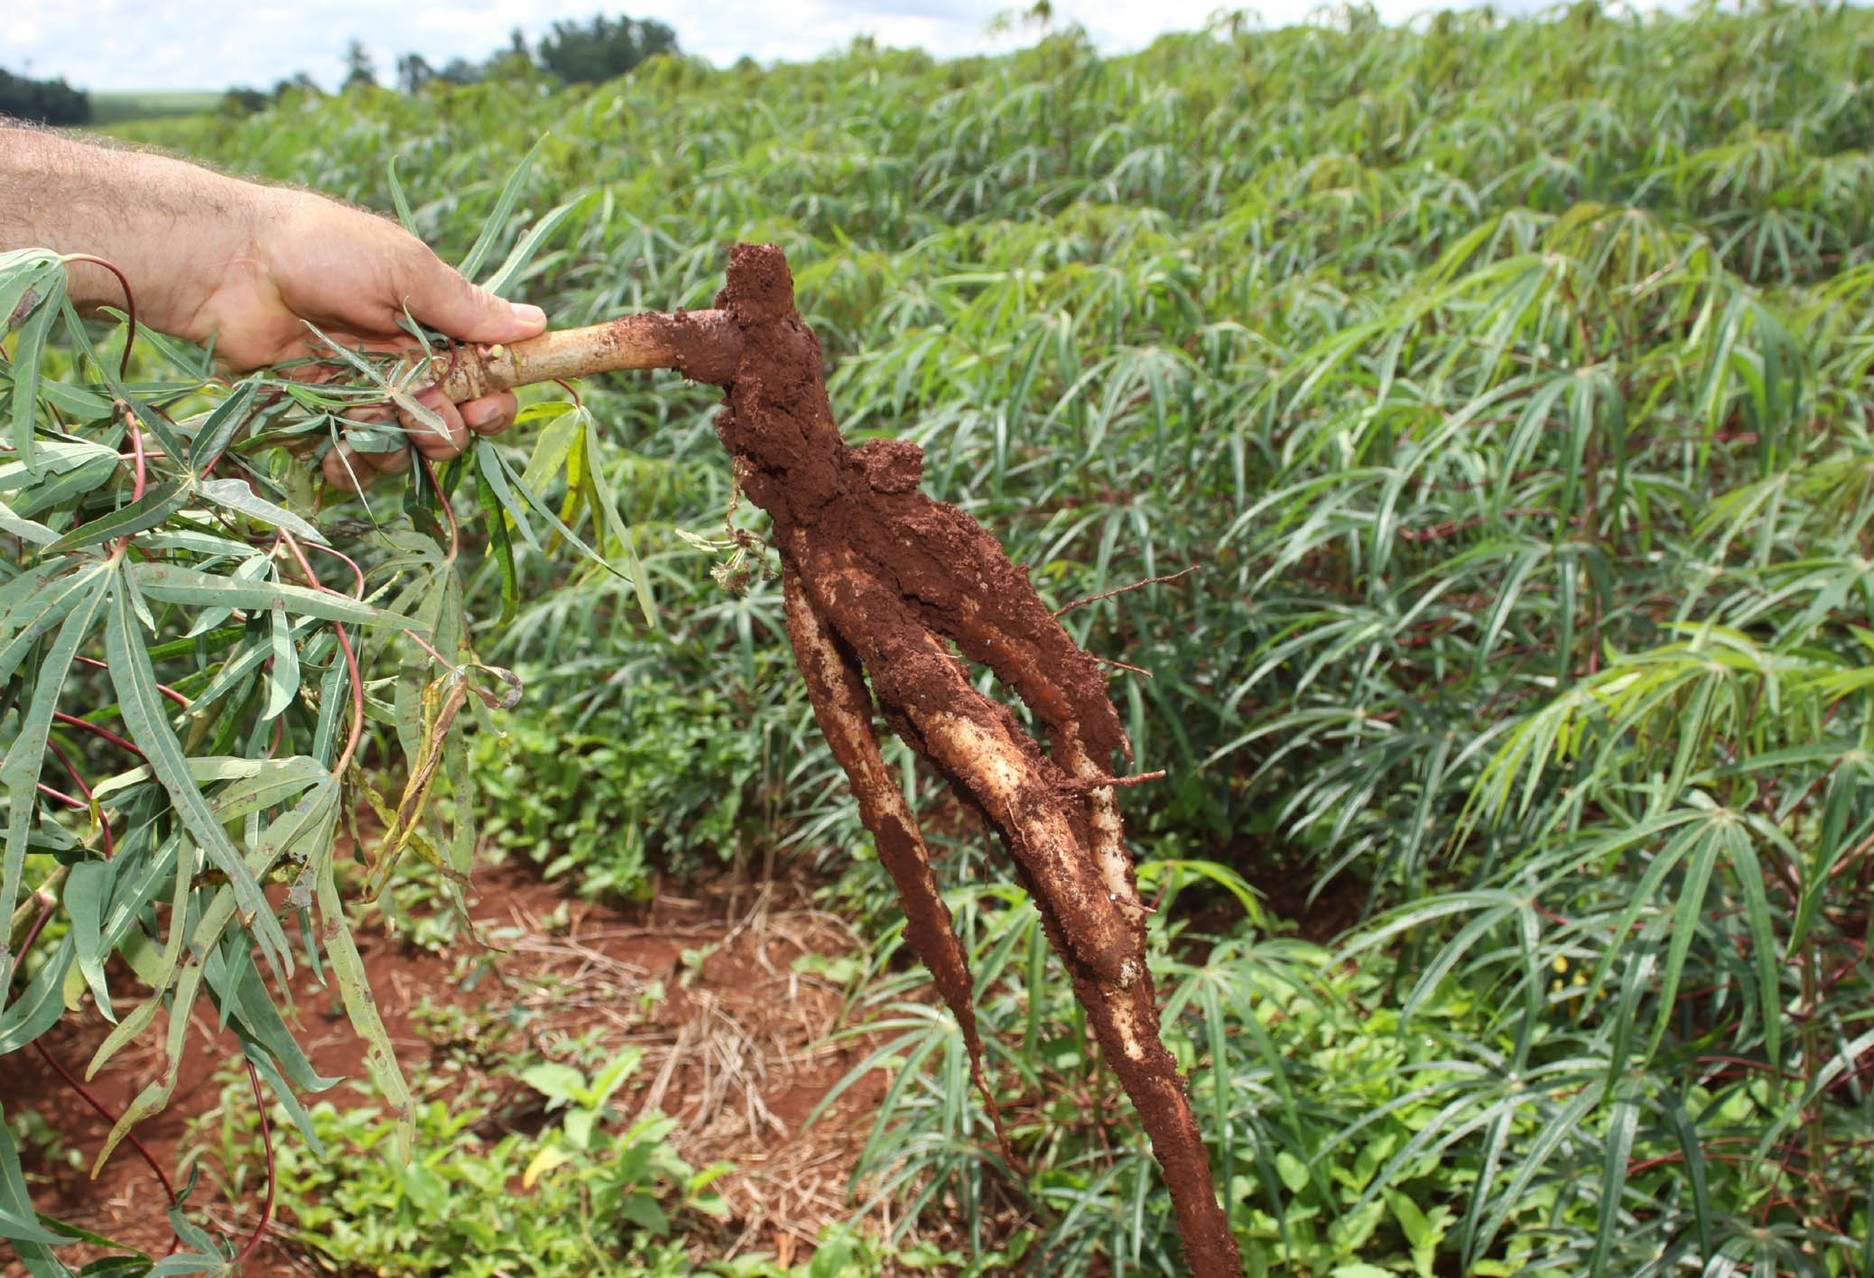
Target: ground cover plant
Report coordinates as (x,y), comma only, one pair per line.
(1506,381)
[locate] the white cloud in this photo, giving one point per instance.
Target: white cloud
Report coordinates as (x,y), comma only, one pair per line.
(210,44)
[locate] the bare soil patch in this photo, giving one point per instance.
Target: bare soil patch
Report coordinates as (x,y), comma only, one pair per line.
(735,1036)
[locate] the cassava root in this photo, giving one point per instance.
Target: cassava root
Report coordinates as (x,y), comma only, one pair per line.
(886,594)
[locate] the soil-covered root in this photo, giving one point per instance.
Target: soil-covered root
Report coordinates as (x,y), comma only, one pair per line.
(843,709)
(880,583)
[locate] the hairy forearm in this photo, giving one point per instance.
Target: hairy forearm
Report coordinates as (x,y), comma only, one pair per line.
(269,275)
(168,225)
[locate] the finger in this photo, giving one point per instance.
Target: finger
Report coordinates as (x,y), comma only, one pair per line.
(434,443)
(491,414)
(370,412)
(392,463)
(375,430)
(345,469)
(438,296)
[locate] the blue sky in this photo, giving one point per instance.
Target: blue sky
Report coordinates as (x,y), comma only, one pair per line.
(211,44)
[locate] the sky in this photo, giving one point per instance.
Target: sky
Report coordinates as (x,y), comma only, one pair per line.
(115,45)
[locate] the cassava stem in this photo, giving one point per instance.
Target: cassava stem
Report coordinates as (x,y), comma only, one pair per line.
(702,345)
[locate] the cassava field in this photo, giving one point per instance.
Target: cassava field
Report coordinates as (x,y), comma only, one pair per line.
(1504,386)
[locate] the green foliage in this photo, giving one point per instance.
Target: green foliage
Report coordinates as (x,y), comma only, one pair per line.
(242,101)
(43,101)
(109,109)
(1507,380)
(1354,1138)
(602,48)
(676,780)
(189,702)
(590,1193)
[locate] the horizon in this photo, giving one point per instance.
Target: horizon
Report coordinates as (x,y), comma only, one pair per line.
(100,46)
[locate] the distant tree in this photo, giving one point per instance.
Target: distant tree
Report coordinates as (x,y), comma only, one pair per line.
(241,100)
(514,62)
(459,71)
(359,68)
(299,83)
(45,101)
(413,72)
(603,48)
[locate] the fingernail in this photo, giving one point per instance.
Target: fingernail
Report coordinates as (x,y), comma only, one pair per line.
(481,415)
(528,313)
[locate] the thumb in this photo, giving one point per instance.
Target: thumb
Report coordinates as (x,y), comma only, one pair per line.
(440,298)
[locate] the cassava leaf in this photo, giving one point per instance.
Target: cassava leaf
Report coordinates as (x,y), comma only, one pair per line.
(283,669)
(528,245)
(218,429)
(500,545)
(172,583)
(495,225)
(25,529)
(39,1005)
(607,508)
(28,354)
(238,496)
(157,504)
(148,725)
(25,758)
(87,889)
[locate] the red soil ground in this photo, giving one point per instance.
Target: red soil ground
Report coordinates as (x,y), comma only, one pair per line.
(736,1051)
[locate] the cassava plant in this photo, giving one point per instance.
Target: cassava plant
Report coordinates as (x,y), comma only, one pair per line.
(198,673)
(1506,377)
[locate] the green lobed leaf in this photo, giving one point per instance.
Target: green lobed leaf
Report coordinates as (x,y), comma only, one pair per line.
(218,429)
(147,723)
(25,529)
(283,668)
(238,496)
(50,457)
(28,355)
(530,244)
(158,503)
(25,758)
(495,225)
(500,545)
(65,489)
(355,991)
(607,507)
(87,888)
(41,1003)
(172,583)
(59,591)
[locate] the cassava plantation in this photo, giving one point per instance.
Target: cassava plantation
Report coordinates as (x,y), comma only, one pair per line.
(1449,447)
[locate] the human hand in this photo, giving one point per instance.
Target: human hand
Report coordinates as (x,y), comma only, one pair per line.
(212,257)
(354,275)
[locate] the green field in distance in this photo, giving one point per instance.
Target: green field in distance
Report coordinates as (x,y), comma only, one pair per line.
(117,108)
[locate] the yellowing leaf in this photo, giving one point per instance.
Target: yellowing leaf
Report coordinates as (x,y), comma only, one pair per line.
(540,1164)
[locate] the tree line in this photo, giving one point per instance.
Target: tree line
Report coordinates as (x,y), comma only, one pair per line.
(43,101)
(572,52)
